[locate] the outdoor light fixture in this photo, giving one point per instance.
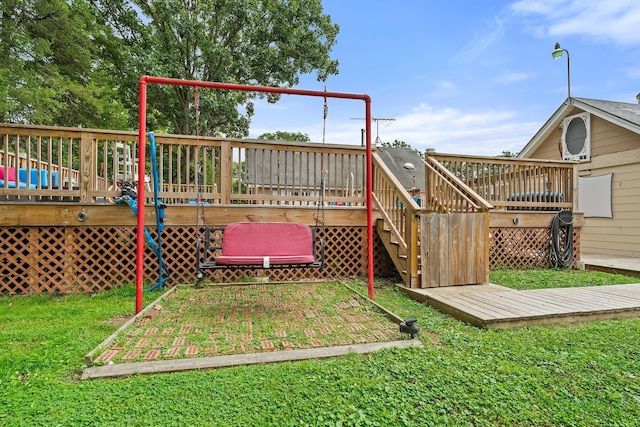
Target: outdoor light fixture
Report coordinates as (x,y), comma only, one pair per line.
(557,54)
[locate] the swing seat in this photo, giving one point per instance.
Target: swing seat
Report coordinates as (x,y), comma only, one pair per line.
(261,245)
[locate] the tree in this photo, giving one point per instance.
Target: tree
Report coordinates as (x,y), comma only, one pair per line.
(396,144)
(269,43)
(401,144)
(286,136)
(52,70)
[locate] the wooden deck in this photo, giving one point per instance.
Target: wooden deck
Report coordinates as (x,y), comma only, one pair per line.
(497,307)
(612,264)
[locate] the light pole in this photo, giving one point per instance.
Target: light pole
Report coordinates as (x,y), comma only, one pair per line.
(557,54)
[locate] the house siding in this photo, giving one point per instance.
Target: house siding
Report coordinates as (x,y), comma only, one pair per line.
(549,148)
(607,138)
(619,236)
(617,150)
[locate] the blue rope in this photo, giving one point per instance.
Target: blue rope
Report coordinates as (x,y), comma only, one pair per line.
(163,271)
(130,197)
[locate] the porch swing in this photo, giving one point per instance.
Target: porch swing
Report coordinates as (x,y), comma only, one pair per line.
(260,245)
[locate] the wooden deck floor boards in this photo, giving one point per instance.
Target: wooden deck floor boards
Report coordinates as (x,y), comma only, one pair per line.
(575,299)
(504,308)
(612,264)
(623,291)
(534,306)
(594,297)
(566,303)
(620,263)
(505,301)
(472,303)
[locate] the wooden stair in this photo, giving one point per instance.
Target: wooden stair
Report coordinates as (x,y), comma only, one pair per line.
(398,255)
(452,220)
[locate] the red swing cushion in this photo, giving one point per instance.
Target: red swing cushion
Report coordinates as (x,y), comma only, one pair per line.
(266,243)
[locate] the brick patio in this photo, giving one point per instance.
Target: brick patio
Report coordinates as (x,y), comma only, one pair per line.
(251,318)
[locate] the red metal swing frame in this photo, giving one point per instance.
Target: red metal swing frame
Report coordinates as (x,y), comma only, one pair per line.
(142,130)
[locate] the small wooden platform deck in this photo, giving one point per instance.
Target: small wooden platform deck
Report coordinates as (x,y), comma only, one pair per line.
(497,307)
(612,264)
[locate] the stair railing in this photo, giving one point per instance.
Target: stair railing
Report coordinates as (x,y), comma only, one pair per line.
(400,210)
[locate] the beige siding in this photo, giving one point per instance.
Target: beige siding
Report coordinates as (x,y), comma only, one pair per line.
(549,148)
(620,235)
(607,138)
(613,149)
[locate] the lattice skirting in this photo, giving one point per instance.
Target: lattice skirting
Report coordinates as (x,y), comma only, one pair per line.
(92,259)
(524,247)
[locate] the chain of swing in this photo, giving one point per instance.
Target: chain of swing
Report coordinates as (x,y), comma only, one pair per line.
(200,216)
(320,228)
(320,223)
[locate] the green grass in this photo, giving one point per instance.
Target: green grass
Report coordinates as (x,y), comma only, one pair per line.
(572,375)
(543,278)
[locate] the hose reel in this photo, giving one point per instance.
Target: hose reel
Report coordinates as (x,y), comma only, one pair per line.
(561,251)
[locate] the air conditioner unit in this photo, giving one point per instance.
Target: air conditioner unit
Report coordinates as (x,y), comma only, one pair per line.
(576,137)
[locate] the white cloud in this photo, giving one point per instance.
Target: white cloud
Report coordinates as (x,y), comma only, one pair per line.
(446,85)
(482,40)
(448,130)
(487,132)
(512,77)
(540,7)
(602,20)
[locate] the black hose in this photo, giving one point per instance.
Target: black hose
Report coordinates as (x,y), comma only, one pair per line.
(561,252)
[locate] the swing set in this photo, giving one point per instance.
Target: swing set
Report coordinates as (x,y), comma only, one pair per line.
(279,244)
(251,245)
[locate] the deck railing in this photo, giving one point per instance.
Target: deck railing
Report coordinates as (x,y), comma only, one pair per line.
(401,212)
(510,183)
(445,192)
(90,165)
(395,204)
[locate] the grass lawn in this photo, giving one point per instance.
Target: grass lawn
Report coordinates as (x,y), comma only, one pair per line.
(582,374)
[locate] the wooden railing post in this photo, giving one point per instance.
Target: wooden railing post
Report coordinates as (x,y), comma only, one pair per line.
(429,187)
(573,179)
(87,167)
(412,240)
(226,172)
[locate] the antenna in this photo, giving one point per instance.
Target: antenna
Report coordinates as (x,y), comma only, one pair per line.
(385,120)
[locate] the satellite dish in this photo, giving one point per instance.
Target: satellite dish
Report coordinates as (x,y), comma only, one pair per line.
(409,166)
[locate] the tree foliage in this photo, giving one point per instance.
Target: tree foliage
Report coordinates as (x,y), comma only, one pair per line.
(268,42)
(285,136)
(396,144)
(52,68)
(401,144)
(78,62)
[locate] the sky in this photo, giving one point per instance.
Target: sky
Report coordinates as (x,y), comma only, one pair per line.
(463,76)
